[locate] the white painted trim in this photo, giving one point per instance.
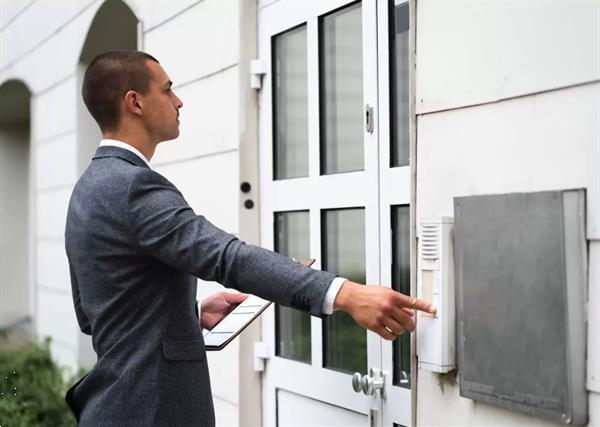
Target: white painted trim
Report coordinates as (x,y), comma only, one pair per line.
(250,385)
(397,187)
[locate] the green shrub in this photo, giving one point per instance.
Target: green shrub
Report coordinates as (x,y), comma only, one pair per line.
(32,388)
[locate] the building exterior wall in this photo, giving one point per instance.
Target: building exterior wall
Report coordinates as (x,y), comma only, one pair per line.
(197,44)
(508,100)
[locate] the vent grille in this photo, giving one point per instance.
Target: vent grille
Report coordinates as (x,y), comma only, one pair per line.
(430,241)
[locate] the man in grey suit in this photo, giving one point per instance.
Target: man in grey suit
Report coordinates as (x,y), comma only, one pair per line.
(135,249)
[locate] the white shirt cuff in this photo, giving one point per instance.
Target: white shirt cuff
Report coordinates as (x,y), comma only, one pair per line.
(334,288)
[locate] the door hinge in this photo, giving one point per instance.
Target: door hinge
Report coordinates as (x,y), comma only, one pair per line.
(262,352)
(258,68)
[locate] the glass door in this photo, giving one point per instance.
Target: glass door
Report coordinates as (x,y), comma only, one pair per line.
(336,125)
(319,171)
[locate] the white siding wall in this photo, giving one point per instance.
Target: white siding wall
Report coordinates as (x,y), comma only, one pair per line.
(197,44)
(35,58)
(483,129)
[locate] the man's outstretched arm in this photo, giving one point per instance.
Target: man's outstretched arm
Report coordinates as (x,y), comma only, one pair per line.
(166,226)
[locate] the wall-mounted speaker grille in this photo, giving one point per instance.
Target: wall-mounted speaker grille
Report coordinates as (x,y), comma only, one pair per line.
(430,241)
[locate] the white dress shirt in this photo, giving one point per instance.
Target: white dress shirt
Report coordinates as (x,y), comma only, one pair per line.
(334,287)
(124,146)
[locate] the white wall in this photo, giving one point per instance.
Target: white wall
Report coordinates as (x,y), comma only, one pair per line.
(508,100)
(41,43)
(469,53)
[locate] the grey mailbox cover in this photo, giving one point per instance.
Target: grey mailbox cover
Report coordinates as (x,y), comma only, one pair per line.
(520,264)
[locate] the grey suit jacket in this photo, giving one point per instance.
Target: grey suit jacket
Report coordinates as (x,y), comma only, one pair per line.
(135,249)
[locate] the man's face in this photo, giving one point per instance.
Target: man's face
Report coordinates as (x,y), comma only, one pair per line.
(161,106)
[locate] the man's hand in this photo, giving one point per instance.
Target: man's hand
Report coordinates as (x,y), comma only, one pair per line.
(380,309)
(215,307)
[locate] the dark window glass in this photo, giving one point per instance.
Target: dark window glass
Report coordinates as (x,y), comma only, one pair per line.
(401,283)
(290,104)
(292,326)
(341,90)
(399,84)
(343,252)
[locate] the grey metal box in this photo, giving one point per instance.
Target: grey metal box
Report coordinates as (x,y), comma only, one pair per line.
(520,266)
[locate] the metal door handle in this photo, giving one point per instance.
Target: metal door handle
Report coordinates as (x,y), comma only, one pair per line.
(369,118)
(369,384)
(356,382)
(404,378)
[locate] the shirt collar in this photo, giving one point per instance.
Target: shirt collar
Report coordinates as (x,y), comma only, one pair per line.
(125,146)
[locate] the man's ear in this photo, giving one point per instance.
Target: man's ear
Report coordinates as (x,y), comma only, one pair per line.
(133,102)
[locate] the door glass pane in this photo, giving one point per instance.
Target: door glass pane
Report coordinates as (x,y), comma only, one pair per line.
(341,90)
(401,283)
(343,252)
(399,83)
(290,104)
(292,326)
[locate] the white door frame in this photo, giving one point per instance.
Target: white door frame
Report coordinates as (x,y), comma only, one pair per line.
(397,187)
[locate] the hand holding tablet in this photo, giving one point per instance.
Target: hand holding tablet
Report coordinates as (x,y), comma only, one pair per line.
(235,322)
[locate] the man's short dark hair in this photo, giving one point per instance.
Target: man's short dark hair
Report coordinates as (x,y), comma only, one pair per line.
(108,78)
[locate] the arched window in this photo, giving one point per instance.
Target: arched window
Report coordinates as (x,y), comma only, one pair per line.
(15,281)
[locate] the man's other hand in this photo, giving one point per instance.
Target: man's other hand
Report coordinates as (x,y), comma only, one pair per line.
(215,307)
(380,309)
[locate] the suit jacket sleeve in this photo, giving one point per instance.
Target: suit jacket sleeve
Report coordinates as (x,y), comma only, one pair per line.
(165,225)
(82,319)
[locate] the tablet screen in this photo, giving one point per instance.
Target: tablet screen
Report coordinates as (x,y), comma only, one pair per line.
(235,322)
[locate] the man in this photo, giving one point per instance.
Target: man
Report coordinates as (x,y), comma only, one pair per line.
(135,249)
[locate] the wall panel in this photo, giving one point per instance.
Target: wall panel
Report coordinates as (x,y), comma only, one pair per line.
(51,214)
(52,266)
(209,32)
(55,162)
(536,143)
(210,186)
(55,58)
(54,111)
(9,9)
(56,317)
(155,13)
(47,17)
(208,119)
(472,52)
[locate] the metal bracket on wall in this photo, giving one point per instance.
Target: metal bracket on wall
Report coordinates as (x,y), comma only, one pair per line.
(258,68)
(262,352)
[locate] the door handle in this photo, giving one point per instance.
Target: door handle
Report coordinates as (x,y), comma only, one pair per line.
(356,382)
(369,119)
(369,384)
